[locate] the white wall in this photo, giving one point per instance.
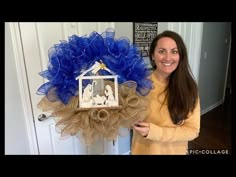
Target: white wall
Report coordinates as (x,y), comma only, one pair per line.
(124,29)
(162,26)
(16,139)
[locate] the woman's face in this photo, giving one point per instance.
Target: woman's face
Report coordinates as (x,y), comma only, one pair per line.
(166,56)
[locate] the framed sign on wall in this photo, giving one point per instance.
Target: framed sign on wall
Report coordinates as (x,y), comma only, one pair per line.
(143,34)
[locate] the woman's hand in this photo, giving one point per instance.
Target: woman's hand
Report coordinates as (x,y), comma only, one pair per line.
(142,127)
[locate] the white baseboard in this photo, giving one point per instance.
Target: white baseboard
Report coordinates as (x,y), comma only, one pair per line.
(211,107)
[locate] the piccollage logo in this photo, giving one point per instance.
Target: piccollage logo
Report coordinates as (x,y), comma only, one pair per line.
(207,151)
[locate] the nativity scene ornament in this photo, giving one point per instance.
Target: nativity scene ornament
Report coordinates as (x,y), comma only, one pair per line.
(91,96)
(96,84)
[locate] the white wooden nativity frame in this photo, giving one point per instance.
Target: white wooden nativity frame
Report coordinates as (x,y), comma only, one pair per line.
(89,99)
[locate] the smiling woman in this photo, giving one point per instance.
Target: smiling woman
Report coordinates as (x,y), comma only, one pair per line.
(166,57)
(174,101)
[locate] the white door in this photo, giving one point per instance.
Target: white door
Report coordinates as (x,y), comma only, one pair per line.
(37,38)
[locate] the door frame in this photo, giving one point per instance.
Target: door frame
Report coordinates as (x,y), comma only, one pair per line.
(24,87)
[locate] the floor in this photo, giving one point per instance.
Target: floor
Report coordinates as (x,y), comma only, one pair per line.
(216,128)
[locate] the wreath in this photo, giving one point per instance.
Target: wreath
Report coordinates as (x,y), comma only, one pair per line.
(95,55)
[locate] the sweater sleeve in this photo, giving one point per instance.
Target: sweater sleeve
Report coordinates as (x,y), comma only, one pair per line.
(188,131)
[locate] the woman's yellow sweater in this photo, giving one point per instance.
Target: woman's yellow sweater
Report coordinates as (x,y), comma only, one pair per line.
(164,137)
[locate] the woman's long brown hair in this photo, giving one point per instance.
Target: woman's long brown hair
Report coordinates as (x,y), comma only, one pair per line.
(182,92)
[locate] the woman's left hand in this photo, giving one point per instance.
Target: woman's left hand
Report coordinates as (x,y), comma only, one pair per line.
(142,127)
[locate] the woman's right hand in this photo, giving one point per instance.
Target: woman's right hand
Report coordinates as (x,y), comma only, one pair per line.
(142,127)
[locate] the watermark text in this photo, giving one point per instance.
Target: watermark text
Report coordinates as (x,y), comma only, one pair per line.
(207,151)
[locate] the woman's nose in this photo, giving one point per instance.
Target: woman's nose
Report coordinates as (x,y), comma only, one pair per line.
(168,55)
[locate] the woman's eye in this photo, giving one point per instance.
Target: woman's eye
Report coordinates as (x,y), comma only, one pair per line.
(175,52)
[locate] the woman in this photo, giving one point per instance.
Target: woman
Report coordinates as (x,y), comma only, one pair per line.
(174,102)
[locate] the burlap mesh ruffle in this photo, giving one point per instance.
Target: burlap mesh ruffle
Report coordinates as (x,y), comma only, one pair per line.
(95,123)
